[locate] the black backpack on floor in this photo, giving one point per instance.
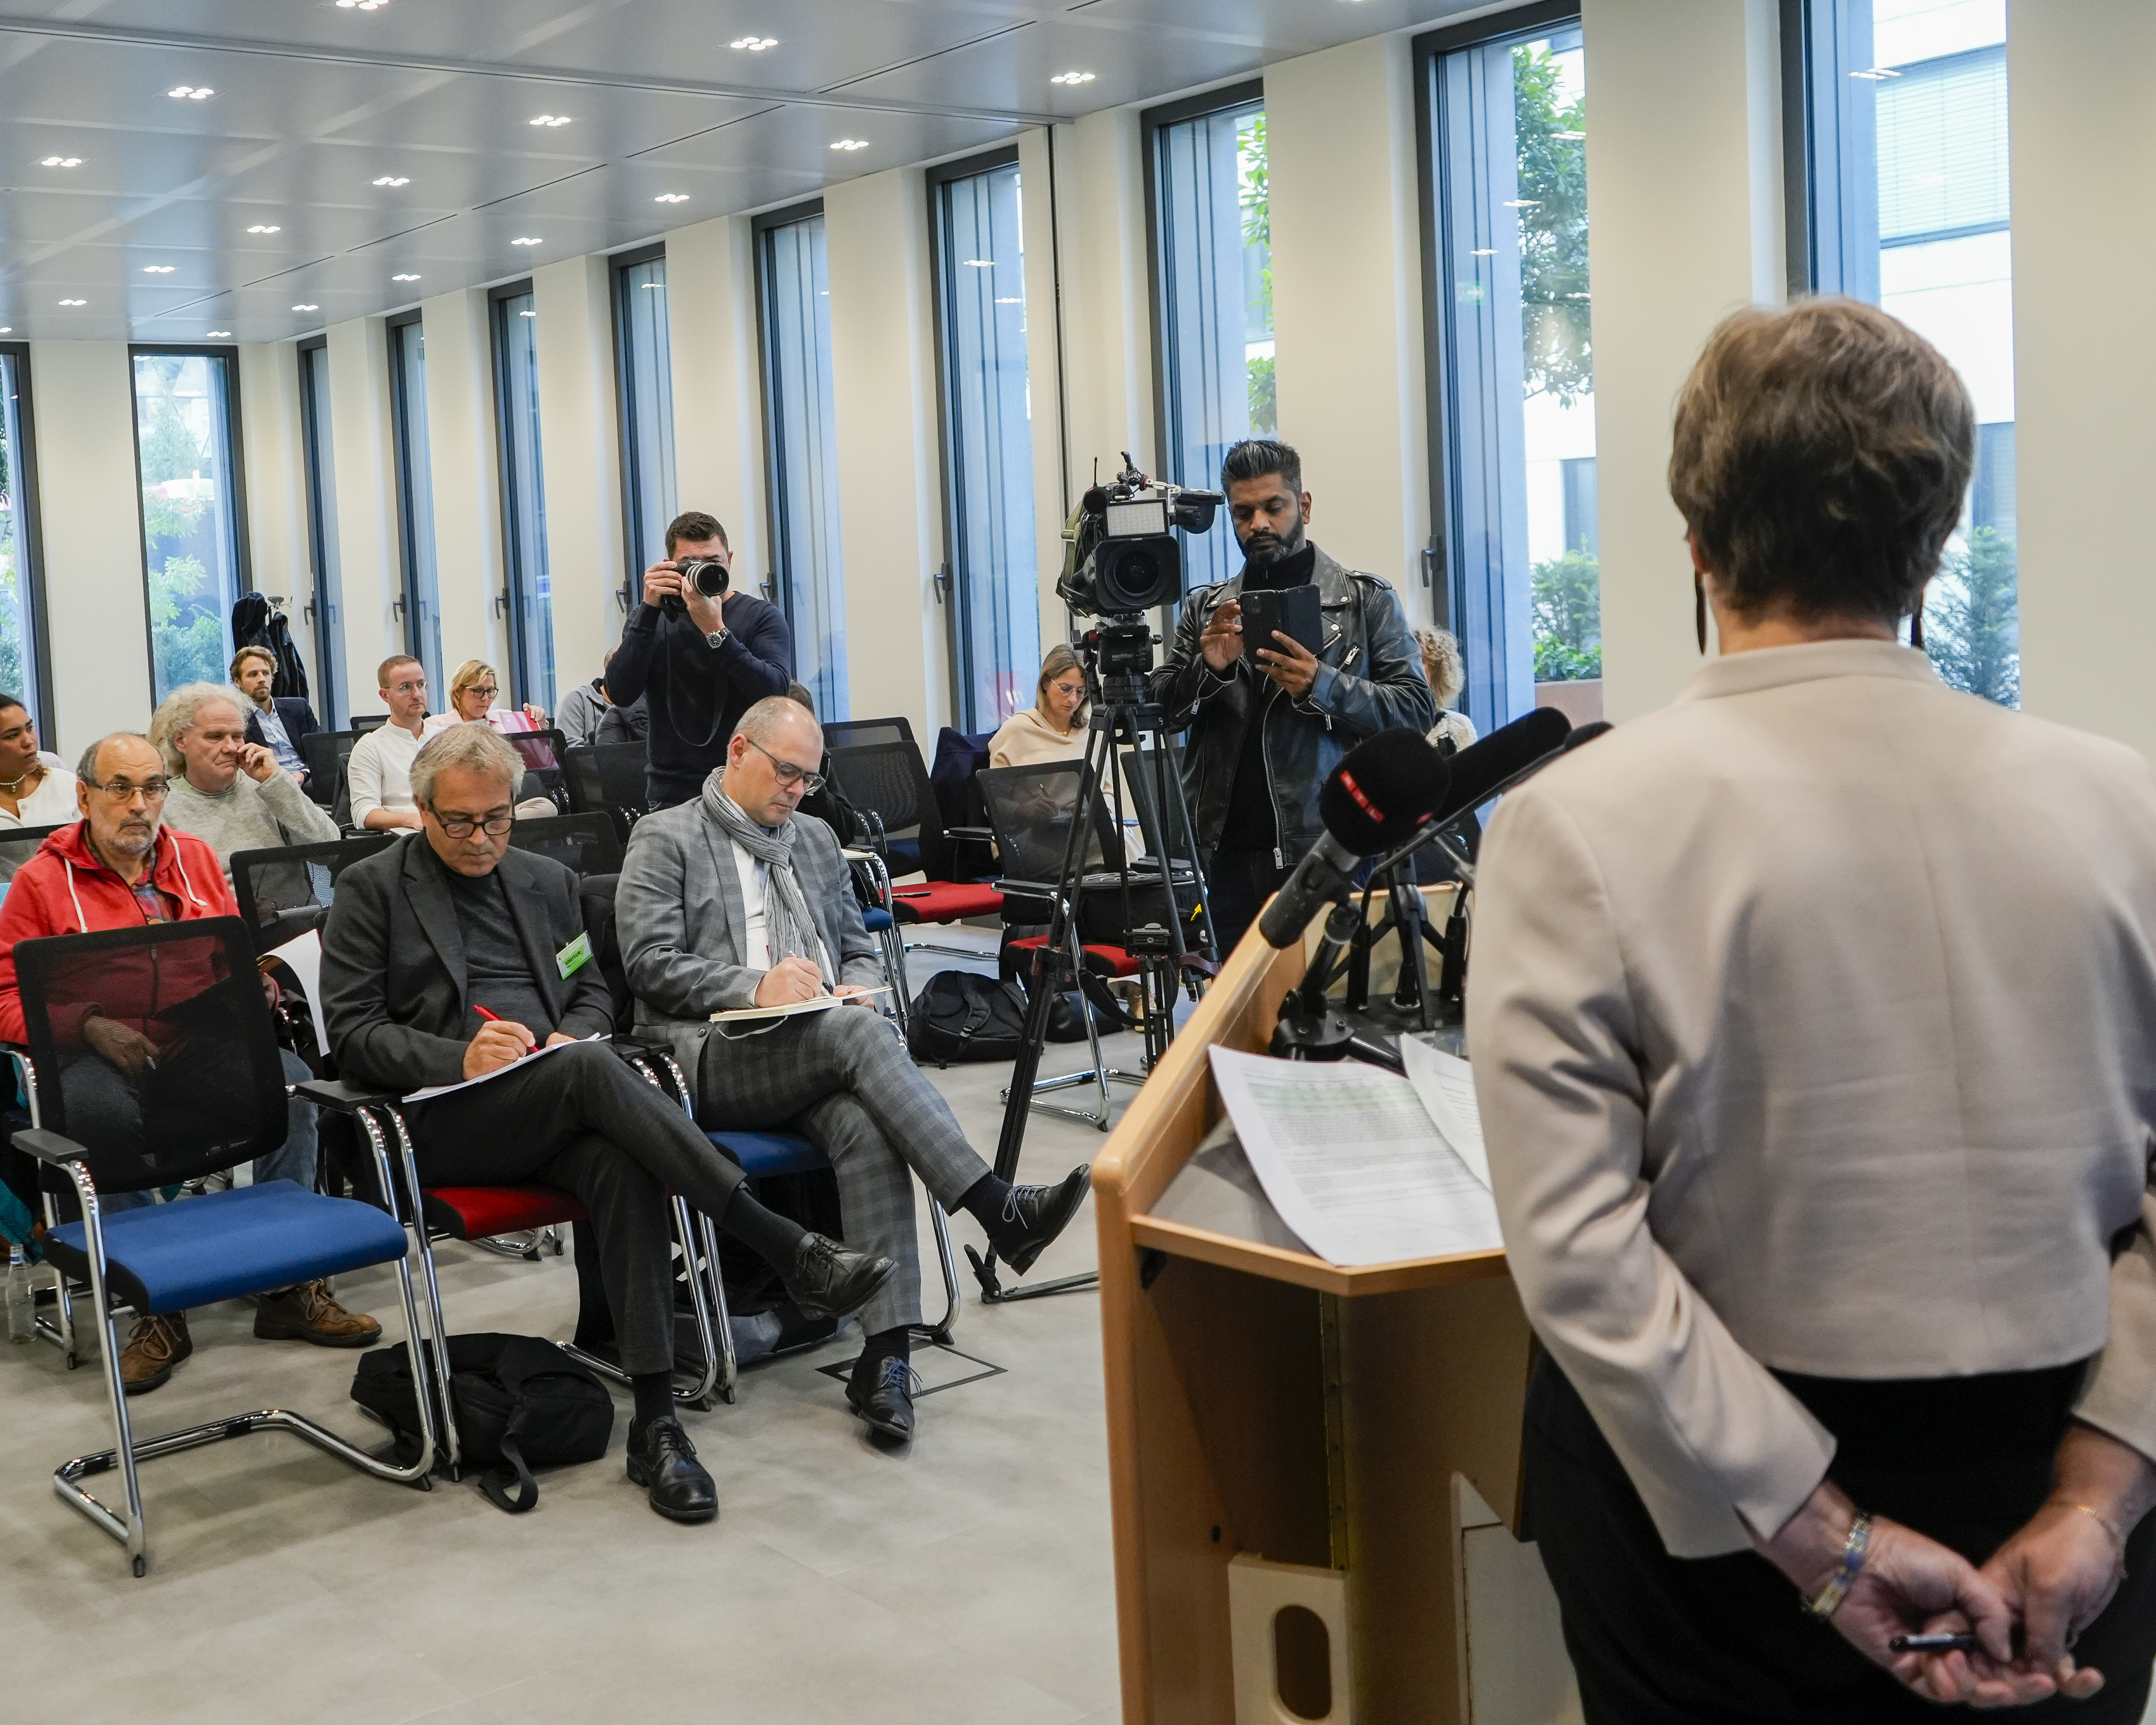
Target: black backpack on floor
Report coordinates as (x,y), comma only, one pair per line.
(519,1401)
(960,1016)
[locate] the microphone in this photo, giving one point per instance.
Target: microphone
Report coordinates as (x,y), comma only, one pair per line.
(1484,769)
(1386,789)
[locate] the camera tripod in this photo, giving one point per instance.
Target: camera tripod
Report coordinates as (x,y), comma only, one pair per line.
(1123,712)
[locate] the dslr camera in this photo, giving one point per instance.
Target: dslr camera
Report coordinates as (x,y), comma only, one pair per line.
(705,575)
(1120,558)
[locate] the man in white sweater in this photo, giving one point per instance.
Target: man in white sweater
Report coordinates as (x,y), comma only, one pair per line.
(225,789)
(379,773)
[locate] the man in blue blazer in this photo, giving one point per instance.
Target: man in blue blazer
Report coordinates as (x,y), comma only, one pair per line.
(277,722)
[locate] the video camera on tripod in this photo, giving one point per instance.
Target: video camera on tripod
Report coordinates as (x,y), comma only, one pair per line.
(1120,559)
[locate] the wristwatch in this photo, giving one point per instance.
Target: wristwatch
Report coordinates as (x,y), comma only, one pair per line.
(718,638)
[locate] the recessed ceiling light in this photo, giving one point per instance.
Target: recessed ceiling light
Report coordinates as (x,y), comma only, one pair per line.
(851,144)
(7,329)
(74,302)
(528,239)
(226,333)
(189,93)
(753,44)
(550,119)
(265,227)
(306,308)
(362,5)
(403,278)
(61,162)
(1072,78)
(394,180)
(671,197)
(158,269)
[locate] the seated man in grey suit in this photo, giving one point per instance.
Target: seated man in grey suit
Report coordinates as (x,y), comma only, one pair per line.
(451,957)
(731,900)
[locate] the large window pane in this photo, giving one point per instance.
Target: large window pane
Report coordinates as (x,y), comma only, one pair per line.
(524,498)
(1907,176)
(1514,420)
(989,434)
(326,609)
(18,612)
(184,454)
(415,492)
(801,447)
(647,411)
(1214,250)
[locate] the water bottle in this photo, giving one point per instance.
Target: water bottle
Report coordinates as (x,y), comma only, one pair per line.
(22,1304)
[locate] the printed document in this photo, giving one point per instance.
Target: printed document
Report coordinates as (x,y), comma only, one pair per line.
(1352,1161)
(537,1053)
(304,956)
(1446,1085)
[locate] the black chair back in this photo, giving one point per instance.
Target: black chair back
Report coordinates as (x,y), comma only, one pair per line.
(198,1086)
(859,734)
(362,723)
(1141,785)
(541,753)
(19,844)
(608,778)
(888,779)
(325,754)
(1031,808)
(584,843)
(284,892)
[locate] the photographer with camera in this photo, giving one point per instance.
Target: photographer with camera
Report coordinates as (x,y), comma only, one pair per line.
(1267,725)
(701,653)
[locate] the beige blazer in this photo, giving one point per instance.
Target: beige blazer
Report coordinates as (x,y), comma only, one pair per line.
(1813,1023)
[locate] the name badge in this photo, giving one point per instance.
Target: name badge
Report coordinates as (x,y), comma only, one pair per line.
(574,956)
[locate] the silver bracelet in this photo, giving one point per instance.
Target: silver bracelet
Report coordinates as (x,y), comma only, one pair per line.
(1854,1550)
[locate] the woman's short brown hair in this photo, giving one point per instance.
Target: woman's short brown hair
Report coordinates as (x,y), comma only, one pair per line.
(1820,459)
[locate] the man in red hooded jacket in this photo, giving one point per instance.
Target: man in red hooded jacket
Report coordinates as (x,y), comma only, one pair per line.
(120,867)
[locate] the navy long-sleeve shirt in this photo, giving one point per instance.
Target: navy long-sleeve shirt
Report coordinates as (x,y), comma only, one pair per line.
(694,693)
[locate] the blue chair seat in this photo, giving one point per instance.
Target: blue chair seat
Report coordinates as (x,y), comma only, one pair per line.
(876,919)
(762,1154)
(167,1257)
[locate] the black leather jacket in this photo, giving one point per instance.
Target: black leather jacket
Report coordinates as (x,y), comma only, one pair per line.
(1369,679)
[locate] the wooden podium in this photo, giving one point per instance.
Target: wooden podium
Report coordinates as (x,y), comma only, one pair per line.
(1263,1401)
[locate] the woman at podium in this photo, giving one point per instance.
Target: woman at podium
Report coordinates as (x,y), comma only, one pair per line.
(1811,1021)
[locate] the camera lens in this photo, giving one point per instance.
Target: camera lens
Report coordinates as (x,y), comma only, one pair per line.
(707,575)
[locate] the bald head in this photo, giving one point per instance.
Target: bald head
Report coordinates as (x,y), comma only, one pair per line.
(775,749)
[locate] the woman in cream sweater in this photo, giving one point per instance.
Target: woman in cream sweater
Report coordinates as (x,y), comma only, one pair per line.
(1054,727)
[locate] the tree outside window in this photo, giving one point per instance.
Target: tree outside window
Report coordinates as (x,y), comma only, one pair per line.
(189,554)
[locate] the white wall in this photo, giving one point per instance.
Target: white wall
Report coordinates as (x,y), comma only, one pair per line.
(369,559)
(718,411)
(83,397)
(1684,192)
(1347,267)
(2084,442)
(467,480)
(890,524)
(1107,307)
(581,453)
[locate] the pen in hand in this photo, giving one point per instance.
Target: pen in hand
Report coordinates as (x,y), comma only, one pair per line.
(1959,1642)
(495,1018)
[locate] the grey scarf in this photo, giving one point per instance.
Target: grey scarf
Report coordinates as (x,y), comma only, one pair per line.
(789,928)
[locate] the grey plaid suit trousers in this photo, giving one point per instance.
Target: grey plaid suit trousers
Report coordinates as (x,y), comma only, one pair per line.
(843,1080)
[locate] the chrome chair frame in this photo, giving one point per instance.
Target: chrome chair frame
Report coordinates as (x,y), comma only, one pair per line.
(891,938)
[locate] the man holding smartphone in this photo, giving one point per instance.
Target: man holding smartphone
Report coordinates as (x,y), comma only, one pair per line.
(1268,725)
(700,658)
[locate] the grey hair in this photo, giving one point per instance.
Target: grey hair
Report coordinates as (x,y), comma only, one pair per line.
(476,747)
(177,713)
(86,769)
(763,722)
(1442,663)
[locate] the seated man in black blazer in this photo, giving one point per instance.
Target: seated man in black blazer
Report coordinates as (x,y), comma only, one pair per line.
(277,722)
(450,958)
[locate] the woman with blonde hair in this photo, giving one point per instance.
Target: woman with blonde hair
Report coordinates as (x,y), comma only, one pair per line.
(1054,727)
(472,691)
(1447,671)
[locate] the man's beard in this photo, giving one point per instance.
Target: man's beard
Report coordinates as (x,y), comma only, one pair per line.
(135,841)
(1264,547)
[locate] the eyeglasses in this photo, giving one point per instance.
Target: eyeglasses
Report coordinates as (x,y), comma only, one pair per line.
(488,690)
(788,774)
(461,828)
(151,790)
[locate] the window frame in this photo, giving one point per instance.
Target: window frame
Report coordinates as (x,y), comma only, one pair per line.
(29,537)
(328,602)
(510,602)
(242,564)
(409,604)
(618,264)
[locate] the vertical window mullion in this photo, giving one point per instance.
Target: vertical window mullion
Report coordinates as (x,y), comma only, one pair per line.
(415,488)
(23,663)
(325,606)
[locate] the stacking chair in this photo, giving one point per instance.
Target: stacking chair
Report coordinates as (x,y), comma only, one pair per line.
(584,844)
(542,753)
(859,734)
(215,1099)
(19,844)
(362,723)
(284,892)
(327,753)
(887,781)
(608,778)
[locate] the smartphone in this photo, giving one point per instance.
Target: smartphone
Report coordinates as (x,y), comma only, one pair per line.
(1295,611)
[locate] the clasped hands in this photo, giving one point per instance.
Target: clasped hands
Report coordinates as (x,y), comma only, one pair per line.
(2048,1582)
(1293,665)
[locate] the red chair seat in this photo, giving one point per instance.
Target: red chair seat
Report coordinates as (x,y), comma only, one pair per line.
(1103,961)
(481,1212)
(944,900)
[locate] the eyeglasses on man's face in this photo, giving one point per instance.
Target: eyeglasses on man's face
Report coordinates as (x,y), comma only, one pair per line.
(788,774)
(151,790)
(462,826)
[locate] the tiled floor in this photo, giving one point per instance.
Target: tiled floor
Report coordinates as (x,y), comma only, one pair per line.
(965,1578)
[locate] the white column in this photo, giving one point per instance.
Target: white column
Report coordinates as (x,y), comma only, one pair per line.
(891,521)
(273,448)
(1340,138)
(96,608)
(718,400)
(581,450)
(463,463)
(2084,445)
(369,559)
(1684,227)
(1108,299)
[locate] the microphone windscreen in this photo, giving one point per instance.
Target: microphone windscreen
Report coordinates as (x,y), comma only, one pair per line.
(1587,733)
(1480,768)
(1386,787)
(1096,500)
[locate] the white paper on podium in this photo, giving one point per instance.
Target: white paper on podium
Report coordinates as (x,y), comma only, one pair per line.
(1446,1085)
(303,957)
(1352,1160)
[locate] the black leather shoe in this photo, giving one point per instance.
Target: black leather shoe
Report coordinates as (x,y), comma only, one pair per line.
(886,1399)
(1034,1216)
(663,1461)
(830,1281)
